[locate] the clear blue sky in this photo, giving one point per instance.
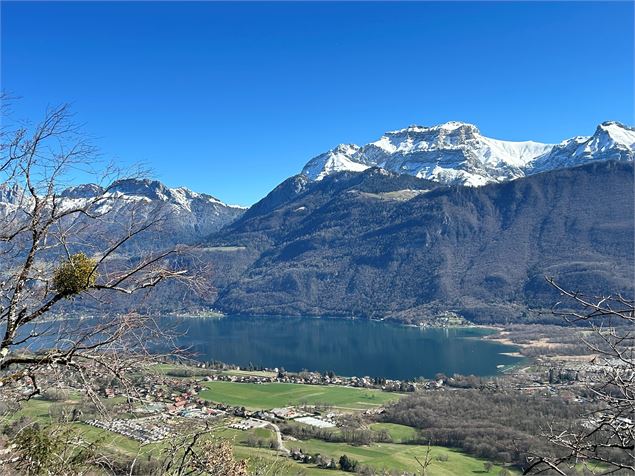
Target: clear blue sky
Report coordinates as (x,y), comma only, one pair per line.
(231,99)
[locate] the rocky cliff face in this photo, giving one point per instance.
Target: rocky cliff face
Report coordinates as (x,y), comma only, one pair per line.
(456,153)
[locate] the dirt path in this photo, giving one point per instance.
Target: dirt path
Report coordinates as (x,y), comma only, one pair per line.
(281,446)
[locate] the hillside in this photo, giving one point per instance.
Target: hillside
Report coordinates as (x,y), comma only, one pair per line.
(375,244)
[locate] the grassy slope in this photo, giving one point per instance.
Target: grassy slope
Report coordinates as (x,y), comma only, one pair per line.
(283,466)
(401,457)
(272,395)
(398,433)
(391,456)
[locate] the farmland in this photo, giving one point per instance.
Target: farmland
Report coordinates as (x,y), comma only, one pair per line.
(272,395)
(375,455)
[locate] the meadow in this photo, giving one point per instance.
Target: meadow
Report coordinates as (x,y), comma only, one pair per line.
(445,461)
(398,433)
(274,395)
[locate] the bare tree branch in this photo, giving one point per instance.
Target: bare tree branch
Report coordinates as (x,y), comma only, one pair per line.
(608,434)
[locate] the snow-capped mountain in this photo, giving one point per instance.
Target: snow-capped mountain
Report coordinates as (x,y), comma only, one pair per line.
(180,199)
(167,218)
(611,141)
(343,158)
(457,153)
(187,216)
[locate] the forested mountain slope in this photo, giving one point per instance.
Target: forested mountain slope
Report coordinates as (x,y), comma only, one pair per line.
(375,244)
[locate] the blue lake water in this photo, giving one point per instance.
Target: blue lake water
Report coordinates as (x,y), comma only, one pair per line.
(347,347)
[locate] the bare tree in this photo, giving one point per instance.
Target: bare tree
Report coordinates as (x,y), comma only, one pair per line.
(58,248)
(427,460)
(605,442)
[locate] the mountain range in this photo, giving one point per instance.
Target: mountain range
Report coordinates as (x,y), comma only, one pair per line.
(188,216)
(422,221)
(456,153)
(378,244)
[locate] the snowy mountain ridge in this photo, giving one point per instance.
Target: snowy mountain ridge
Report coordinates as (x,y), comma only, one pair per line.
(140,189)
(456,153)
(189,216)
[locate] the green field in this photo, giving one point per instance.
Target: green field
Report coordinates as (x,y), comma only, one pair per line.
(35,408)
(39,409)
(389,456)
(167,369)
(113,442)
(398,433)
(399,457)
(272,395)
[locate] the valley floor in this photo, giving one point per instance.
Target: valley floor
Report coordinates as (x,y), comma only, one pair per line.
(253,444)
(285,426)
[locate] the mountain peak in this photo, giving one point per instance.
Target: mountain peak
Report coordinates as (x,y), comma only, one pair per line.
(456,153)
(86,190)
(454,125)
(453,152)
(450,126)
(617,133)
(340,159)
(148,188)
(614,123)
(345,149)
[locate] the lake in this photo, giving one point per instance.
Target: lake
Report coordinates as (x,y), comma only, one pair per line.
(347,347)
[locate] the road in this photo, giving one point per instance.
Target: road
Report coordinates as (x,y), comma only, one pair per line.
(281,446)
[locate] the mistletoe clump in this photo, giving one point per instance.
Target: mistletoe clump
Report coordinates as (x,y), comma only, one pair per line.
(75,275)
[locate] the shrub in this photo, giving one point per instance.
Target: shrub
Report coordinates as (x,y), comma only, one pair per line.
(55,394)
(347,464)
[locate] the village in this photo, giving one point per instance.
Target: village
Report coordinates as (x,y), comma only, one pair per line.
(305,417)
(164,402)
(161,402)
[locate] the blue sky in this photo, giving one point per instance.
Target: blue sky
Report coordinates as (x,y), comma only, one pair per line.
(231,99)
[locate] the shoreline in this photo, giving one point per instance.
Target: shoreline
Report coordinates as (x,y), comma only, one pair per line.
(431,324)
(465,324)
